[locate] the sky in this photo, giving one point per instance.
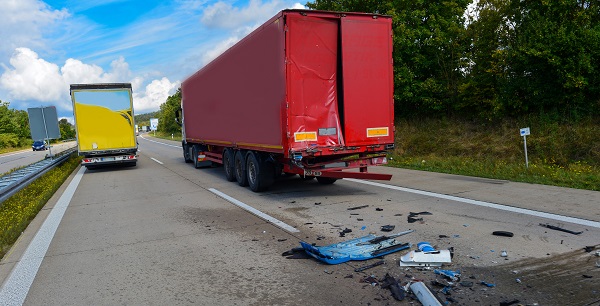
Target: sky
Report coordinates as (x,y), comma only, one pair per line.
(152,44)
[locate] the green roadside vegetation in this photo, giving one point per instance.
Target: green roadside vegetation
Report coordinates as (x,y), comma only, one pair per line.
(566,154)
(19,210)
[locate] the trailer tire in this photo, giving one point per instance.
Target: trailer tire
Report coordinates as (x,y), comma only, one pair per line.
(229,164)
(241,175)
(326,180)
(187,155)
(260,172)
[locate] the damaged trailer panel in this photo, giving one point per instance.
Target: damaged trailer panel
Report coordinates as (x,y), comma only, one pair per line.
(308,92)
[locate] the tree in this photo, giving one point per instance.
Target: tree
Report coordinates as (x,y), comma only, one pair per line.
(67,130)
(166,122)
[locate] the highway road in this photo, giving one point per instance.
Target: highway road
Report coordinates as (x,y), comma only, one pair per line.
(164,233)
(22,158)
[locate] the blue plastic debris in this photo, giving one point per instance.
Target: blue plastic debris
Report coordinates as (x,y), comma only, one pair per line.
(453,275)
(363,248)
(488,284)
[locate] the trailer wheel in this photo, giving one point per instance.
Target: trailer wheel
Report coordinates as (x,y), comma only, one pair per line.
(187,155)
(260,172)
(326,180)
(229,165)
(241,175)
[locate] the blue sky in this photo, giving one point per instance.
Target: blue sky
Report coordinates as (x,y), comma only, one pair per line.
(154,45)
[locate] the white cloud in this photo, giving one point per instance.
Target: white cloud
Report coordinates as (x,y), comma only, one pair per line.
(23,24)
(33,78)
(224,15)
(155,94)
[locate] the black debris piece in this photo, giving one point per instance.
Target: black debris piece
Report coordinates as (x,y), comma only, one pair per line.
(556,228)
(292,251)
(349,276)
(420,213)
(397,215)
(354,214)
(437,283)
(587,276)
(451,299)
(589,248)
(389,282)
(281,240)
(443,236)
(370,280)
(320,237)
(413,220)
(466,284)
(503,233)
(293,202)
(359,219)
(358,207)
(389,200)
(508,303)
(379,263)
(387,228)
(308,223)
(379,209)
(345,231)
(317,203)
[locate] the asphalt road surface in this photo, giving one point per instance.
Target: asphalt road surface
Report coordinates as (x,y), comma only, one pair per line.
(164,233)
(22,158)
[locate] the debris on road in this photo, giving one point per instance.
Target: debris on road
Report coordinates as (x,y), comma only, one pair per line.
(362,248)
(358,207)
(452,275)
(423,294)
(379,263)
(387,228)
(411,216)
(389,282)
(345,231)
(425,259)
(487,284)
(292,251)
(503,233)
(556,228)
(508,303)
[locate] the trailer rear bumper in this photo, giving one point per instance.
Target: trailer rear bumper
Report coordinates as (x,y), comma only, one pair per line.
(107,160)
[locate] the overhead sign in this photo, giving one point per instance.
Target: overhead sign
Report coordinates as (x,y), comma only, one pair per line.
(43,123)
(153,124)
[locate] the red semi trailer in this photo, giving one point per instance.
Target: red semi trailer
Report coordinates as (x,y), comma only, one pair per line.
(308,93)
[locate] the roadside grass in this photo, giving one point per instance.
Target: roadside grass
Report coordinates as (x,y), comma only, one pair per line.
(560,154)
(19,210)
(166,136)
(11,149)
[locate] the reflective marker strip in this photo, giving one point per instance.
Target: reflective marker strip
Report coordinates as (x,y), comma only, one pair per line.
(486,204)
(17,285)
(305,136)
(378,132)
(156,160)
(255,211)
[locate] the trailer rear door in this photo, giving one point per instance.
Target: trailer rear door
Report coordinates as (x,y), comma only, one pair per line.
(312,62)
(368,107)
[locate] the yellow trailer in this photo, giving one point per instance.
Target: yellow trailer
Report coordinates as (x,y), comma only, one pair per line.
(104,123)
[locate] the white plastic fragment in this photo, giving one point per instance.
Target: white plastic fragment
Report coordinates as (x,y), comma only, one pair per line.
(425,259)
(424,295)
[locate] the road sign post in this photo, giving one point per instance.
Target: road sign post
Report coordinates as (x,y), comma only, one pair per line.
(524,133)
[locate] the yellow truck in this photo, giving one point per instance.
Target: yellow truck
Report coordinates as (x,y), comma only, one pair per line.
(104,124)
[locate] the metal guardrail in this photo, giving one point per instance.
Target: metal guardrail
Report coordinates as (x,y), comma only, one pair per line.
(12,182)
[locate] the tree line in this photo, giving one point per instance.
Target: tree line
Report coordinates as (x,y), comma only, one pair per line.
(506,58)
(14,127)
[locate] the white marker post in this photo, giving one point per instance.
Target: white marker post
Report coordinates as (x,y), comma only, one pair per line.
(524,133)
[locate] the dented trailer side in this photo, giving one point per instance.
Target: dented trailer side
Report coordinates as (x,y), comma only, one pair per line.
(307,93)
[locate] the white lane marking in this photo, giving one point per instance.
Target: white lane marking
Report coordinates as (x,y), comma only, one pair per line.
(162,143)
(13,154)
(156,160)
(486,204)
(17,285)
(255,211)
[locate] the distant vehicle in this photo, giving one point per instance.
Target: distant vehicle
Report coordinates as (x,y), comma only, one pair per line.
(39,145)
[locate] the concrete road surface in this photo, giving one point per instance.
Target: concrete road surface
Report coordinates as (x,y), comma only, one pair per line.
(164,233)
